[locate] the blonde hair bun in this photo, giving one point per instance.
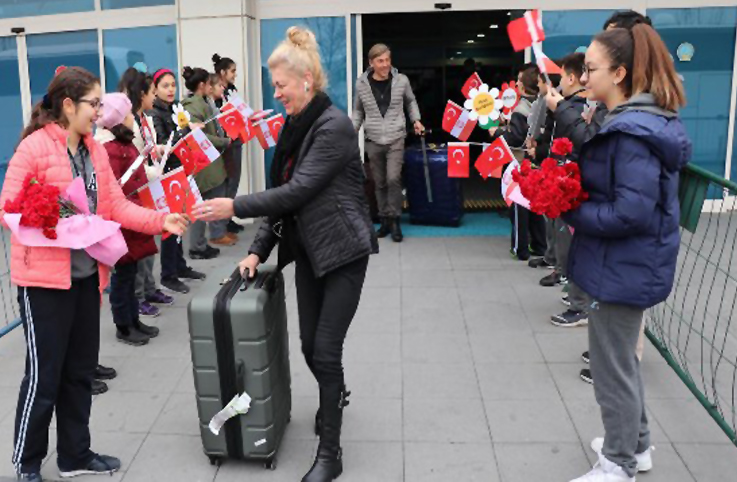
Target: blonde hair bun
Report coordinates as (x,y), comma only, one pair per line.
(301,38)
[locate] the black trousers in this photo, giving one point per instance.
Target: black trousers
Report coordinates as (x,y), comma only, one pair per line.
(62,329)
(528,231)
(123,300)
(326,308)
(172,258)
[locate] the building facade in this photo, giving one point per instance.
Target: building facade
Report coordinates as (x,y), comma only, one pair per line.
(108,36)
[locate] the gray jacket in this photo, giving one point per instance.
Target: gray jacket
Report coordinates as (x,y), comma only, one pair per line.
(392,127)
(325,196)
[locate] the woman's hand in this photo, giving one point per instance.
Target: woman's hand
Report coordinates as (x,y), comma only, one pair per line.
(176,224)
(214,210)
(250,264)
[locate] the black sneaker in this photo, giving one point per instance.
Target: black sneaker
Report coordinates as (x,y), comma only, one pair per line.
(173,284)
(586,376)
(132,337)
(540,263)
(208,253)
(234,227)
(149,331)
(570,319)
(565,300)
(105,373)
(98,387)
(553,279)
(585,357)
(189,273)
(34,477)
(100,465)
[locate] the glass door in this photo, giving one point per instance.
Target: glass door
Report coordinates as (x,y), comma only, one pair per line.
(11,105)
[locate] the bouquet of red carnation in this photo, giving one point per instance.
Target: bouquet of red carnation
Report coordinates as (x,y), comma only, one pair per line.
(553,189)
(40,206)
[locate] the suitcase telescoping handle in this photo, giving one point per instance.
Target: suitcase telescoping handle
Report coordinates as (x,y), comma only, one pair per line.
(426,164)
(262,280)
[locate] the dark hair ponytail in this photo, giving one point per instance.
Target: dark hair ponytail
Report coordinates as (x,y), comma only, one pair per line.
(72,83)
(193,77)
(222,63)
(642,53)
(135,85)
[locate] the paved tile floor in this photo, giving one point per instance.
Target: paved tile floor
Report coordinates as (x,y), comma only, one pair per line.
(456,373)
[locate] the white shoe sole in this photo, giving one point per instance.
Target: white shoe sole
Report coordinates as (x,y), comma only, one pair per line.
(644,460)
(584,322)
(78,473)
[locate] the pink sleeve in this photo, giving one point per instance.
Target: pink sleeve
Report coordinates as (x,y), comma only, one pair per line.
(21,164)
(128,214)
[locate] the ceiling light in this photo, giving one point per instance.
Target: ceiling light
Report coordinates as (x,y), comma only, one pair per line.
(471,41)
(459,53)
(481,35)
(493,26)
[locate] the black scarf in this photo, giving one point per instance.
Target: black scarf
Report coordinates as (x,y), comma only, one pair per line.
(292,136)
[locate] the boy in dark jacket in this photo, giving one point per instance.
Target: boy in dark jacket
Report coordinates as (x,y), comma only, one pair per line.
(528,228)
(116,133)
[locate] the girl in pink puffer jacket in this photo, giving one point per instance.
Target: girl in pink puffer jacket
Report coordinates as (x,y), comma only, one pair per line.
(59,289)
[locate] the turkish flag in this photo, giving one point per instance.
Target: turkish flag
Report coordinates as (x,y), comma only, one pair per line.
(543,61)
(174,193)
(491,162)
(456,121)
(473,82)
(267,131)
(233,124)
(190,155)
(149,135)
(526,31)
(511,191)
(458,159)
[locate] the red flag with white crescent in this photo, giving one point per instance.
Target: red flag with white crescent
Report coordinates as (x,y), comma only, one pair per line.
(492,160)
(526,31)
(456,121)
(458,159)
(173,193)
(267,131)
(473,82)
(233,124)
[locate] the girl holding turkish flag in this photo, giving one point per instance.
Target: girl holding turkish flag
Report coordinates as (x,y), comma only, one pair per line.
(60,289)
(317,213)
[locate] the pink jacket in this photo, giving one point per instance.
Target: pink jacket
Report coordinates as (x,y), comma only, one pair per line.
(44,154)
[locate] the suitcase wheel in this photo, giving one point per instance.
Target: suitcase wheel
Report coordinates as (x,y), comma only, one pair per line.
(216,461)
(270,464)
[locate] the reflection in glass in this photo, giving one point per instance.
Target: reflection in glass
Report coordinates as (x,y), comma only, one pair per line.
(113,4)
(30,8)
(11,122)
(565,31)
(154,46)
(46,52)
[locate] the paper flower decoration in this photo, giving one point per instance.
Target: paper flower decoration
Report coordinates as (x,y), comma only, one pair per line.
(483,105)
(180,116)
(510,98)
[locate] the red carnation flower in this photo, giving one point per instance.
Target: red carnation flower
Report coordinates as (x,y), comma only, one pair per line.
(562,147)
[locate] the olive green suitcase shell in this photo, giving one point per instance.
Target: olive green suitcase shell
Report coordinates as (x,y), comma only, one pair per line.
(239,341)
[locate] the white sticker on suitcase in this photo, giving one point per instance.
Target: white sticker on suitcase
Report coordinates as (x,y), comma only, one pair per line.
(259,443)
(240,405)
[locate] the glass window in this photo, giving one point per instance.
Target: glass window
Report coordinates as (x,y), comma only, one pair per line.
(29,8)
(566,31)
(154,46)
(11,122)
(46,52)
(331,36)
(354,50)
(113,4)
(707,74)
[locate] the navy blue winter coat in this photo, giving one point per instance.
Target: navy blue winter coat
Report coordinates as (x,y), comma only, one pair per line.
(627,237)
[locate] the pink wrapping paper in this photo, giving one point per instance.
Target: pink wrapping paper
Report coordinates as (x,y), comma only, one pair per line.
(101,239)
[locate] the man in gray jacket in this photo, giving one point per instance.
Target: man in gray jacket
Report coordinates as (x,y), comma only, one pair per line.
(382,94)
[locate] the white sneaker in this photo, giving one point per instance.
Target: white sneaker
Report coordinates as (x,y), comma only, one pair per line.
(605,471)
(644,460)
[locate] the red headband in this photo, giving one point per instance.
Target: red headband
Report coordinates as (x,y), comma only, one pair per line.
(161,73)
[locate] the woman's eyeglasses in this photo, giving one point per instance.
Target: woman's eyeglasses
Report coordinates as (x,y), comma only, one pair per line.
(95,103)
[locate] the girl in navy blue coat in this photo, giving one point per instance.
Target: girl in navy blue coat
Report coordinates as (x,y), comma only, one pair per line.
(626,240)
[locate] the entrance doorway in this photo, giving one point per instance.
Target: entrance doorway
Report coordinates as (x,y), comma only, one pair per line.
(438,51)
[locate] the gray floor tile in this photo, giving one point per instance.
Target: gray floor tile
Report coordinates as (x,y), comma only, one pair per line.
(435,348)
(374,380)
(540,461)
(708,463)
(171,457)
(530,421)
(430,297)
(514,381)
(564,346)
(489,319)
(303,418)
(380,298)
(372,348)
(377,320)
(372,461)
(179,416)
(293,461)
(686,421)
(568,381)
(129,412)
(442,278)
(441,462)
(440,381)
(443,420)
(442,319)
(373,420)
(505,347)
(140,374)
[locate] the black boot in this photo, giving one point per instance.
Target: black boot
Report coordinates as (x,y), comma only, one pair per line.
(344,402)
(384,230)
(329,461)
(396,230)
